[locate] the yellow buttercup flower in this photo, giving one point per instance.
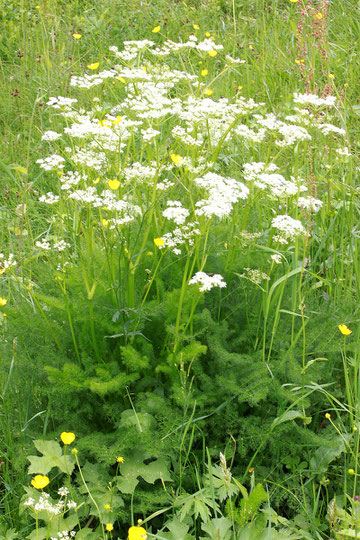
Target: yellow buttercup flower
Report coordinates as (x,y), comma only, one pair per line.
(156,29)
(3,301)
(95,65)
(207,34)
(293,1)
(344,330)
(204,72)
(331,76)
(120,459)
(319,16)
(208,91)
(114,184)
(117,121)
(104,222)
(212,53)
(196,26)
(137,533)
(159,242)
(109,527)
(177,159)
(40,481)
(76,36)
(67,437)
(107,507)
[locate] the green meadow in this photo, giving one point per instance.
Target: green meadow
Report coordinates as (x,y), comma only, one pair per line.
(179,270)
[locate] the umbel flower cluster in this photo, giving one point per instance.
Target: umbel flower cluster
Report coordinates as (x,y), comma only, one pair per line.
(151,153)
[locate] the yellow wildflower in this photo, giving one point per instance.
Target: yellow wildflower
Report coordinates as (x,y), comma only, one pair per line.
(319,15)
(351,472)
(344,330)
(114,184)
(97,180)
(67,438)
(121,79)
(76,36)
(120,459)
(104,222)
(159,242)
(95,65)
(204,72)
(137,533)
(293,1)
(156,29)
(207,34)
(177,159)
(117,121)
(196,26)
(208,91)
(331,76)
(212,53)
(328,416)
(109,527)
(39,482)
(107,507)
(3,301)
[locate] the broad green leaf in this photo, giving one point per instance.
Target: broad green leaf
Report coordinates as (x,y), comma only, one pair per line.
(134,467)
(52,457)
(289,415)
(218,528)
(324,455)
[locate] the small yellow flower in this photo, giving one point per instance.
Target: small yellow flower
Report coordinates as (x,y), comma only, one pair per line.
(97,180)
(331,76)
(207,34)
(114,184)
(144,68)
(212,53)
(107,507)
(328,416)
(319,15)
(208,91)
(177,159)
(109,527)
(293,1)
(204,72)
(121,79)
(117,121)
(120,459)
(76,36)
(67,438)
(156,29)
(344,330)
(251,47)
(137,533)
(196,26)
(159,242)
(39,481)
(239,88)
(351,472)
(3,301)
(104,222)
(251,470)
(95,65)
(74,452)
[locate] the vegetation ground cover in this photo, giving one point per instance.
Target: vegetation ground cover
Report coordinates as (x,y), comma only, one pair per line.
(179,270)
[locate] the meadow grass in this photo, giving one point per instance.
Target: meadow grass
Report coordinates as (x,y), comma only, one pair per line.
(109,326)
